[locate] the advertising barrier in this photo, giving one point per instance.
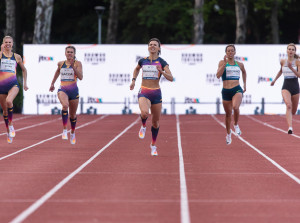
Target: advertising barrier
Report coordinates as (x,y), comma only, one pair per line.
(107,73)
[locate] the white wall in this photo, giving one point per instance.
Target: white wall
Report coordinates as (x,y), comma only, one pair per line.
(107,73)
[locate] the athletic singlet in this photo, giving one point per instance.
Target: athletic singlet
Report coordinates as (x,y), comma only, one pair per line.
(231,72)
(67,73)
(149,69)
(287,72)
(8,67)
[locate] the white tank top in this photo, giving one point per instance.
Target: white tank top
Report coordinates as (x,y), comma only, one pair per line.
(287,72)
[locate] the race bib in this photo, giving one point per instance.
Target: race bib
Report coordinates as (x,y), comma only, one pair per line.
(8,65)
(67,74)
(233,72)
(150,72)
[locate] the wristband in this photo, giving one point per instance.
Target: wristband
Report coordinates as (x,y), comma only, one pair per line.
(133,79)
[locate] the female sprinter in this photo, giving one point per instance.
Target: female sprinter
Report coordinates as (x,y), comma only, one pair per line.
(290,90)
(150,94)
(232,93)
(68,94)
(9,86)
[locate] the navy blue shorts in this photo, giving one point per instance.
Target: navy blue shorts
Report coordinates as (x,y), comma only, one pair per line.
(292,85)
(227,94)
(154,95)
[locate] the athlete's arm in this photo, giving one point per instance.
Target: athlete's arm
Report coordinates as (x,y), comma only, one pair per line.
(135,75)
(24,70)
(244,74)
(278,74)
(57,72)
(166,72)
(296,72)
(221,67)
(77,67)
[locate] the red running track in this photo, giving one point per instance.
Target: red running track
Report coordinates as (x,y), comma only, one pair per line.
(109,175)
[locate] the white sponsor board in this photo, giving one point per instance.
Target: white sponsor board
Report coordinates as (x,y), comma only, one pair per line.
(107,73)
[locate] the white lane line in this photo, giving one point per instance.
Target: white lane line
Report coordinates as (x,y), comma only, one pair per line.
(32,126)
(184,203)
(45,140)
(271,126)
(263,155)
(17,119)
(21,217)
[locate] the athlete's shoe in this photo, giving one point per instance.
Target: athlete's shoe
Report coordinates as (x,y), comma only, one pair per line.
(153,150)
(237,130)
(9,139)
(228,138)
(142,132)
(12,132)
(64,134)
(72,138)
(290,131)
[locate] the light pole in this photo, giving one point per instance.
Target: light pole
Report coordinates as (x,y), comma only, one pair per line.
(99,11)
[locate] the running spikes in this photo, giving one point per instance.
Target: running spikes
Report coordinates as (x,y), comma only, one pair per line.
(12,132)
(72,138)
(142,132)
(153,150)
(64,134)
(228,138)
(9,139)
(237,130)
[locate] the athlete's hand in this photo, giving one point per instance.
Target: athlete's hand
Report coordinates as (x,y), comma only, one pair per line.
(272,83)
(159,68)
(290,65)
(225,59)
(244,88)
(72,62)
(132,85)
(25,87)
(52,88)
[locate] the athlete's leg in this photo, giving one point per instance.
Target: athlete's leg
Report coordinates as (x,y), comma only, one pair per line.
(155,114)
(64,100)
(9,102)
(144,104)
(73,105)
(228,112)
(236,102)
(295,102)
(286,95)
(4,108)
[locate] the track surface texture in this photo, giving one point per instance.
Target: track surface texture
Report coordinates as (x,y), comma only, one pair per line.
(110,176)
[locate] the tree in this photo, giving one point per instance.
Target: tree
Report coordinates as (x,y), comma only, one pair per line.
(42,25)
(112,22)
(241,9)
(10,18)
(198,22)
(274,22)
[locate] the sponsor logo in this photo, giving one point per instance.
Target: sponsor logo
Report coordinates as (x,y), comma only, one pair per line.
(212,79)
(239,58)
(188,100)
(191,58)
(47,99)
(44,58)
(94,100)
(264,79)
(119,79)
(94,58)
(247,99)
